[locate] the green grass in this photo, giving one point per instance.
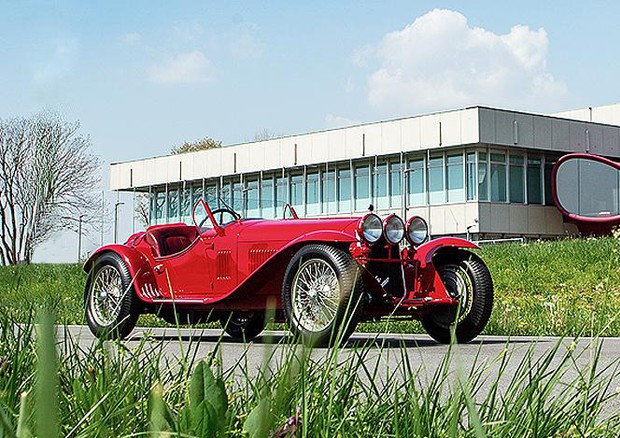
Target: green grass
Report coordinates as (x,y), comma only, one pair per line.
(566,288)
(111,389)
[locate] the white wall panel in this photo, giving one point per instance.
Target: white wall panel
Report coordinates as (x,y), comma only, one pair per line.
(410,134)
(518,219)
(214,159)
(451,128)
(577,137)
(304,149)
(391,140)
(595,133)
(470,132)
(436,220)
(227,161)
(504,127)
(373,139)
(611,141)
(354,142)
(287,152)
(429,131)
(272,154)
(320,147)
(337,142)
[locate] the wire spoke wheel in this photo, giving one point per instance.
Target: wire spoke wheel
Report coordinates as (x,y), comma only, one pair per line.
(106,296)
(316,295)
(459,285)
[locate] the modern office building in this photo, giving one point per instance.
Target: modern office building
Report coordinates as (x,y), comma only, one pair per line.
(478,172)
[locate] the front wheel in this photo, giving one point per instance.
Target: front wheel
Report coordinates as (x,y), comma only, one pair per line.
(109,299)
(466,278)
(243,325)
(322,295)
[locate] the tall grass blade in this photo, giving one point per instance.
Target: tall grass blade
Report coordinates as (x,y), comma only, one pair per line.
(47,379)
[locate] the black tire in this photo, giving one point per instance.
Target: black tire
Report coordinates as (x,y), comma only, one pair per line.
(345,299)
(474,312)
(243,325)
(123,317)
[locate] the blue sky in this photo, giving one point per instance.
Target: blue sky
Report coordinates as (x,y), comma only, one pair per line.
(144,76)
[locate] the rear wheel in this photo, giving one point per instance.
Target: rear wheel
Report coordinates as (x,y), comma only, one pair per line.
(467,278)
(243,325)
(109,298)
(322,295)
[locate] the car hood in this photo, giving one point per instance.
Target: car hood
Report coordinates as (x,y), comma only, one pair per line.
(290,229)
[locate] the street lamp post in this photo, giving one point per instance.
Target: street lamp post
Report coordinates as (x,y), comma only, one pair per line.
(118,203)
(79,251)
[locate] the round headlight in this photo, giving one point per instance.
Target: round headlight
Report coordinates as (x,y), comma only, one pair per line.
(370,228)
(417,230)
(394,229)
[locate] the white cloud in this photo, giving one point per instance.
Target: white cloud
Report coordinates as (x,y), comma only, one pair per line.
(245,43)
(440,62)
(334,121)
(187,68)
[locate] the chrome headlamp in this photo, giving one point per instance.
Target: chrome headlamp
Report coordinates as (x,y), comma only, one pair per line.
(370,228)
(417,230)
(394,229)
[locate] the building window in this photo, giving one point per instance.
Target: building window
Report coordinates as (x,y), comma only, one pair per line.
(436,191)
(534,181)
(455,169)
(267,198)
(517,179)
(251,196)
(211,196)
(297,191)
(186,205)
(381,185)
(173,205)
(196,193)
(416,182)
(281,195)
(237,197)
(313,205)
(549,162)
(483,172)
(224,194)
(160,206)
(396,190)
(329,192)
(362,187)
(498,177)
(471,176)
(344,190)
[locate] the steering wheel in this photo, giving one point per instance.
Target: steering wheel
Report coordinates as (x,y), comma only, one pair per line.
(221,212)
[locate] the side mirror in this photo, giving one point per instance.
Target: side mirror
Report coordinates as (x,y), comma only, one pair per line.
(586,188)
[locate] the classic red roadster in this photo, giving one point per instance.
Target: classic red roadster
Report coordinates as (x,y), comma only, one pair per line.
(321,276)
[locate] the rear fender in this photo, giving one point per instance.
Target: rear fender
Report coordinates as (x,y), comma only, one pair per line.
(144,282)
(425,253)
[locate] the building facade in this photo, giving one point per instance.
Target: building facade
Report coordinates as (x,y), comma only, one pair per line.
(477,172)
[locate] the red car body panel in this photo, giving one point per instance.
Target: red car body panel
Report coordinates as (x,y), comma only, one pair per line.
(241,265)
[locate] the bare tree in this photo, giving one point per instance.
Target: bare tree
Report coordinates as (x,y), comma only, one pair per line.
(47,176)
(265,134)
(142,209)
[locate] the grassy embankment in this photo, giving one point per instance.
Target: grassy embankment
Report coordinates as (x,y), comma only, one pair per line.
(570,287)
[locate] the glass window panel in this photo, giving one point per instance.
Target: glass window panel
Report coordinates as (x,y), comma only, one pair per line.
(396,192)
(281,195)
(173,205)
(362,188)
(237,203)
(252,199)
(313,205)
(160,207)
(517,179)
(380,185)
(498,182)
(267,196)
(548,170)
(456,191)
(436,191)
(329,192)
(534,181)
(344,190)
(471,176)
(416,182)
(186,205)
(297,191)
(498,157)
(224,194)
(211,196)
(196,193)
(483,177)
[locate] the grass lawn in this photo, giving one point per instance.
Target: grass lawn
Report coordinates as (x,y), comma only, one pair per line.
(568,287)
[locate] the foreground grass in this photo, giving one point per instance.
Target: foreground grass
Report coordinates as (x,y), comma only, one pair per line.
(565,288)
(112,389)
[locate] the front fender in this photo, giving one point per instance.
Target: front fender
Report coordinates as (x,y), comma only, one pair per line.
(137,263)
(425,253)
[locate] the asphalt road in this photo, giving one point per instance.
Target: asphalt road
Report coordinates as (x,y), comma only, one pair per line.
(385,353)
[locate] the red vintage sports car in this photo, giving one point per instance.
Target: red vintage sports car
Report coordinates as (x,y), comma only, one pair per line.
(323,276)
